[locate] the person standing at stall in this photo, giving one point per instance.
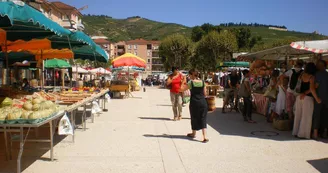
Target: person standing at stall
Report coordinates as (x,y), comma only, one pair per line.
(293,75)
(175,82)
(320,118)
(198,105)
(304,104)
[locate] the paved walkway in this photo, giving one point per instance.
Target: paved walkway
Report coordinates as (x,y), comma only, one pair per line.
(137,136)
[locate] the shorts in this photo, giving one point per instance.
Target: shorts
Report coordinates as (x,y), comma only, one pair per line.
(227,92)
(290,101)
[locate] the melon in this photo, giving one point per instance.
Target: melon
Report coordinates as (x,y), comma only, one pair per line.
(36,107)
(34,115)
(26,114)
(36,101)
(14,114)
(28,106)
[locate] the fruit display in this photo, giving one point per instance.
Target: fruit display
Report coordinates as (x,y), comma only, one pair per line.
(85,89)
(262,68)
(30,109)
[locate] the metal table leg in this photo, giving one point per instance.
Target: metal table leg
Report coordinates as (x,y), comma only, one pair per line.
(85,117)
(104,105)
(21,148)
(92,114)
(73,125)
(6,143)
(51,141)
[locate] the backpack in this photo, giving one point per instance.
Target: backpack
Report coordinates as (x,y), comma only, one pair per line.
(294,78)
(243,90)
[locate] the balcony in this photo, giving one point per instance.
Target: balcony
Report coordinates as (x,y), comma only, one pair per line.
(157,63)
(66,24)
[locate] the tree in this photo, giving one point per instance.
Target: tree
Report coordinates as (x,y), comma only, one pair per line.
(207,27)
(177,50)
(213,48)
(197,33)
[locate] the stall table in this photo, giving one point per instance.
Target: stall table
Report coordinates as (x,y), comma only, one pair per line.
(261,103)
(53,121)
(8,128)
(120,88)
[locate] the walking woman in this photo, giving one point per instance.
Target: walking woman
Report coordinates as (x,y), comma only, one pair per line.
(246,92)
(175,81)
(198,105)
(305,104)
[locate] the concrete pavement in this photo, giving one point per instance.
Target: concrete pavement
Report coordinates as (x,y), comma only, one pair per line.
(137,135)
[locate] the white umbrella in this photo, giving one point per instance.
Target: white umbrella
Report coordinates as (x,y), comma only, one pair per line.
(79,70)
(99,70)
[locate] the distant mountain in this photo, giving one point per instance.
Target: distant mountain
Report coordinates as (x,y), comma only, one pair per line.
(137,27)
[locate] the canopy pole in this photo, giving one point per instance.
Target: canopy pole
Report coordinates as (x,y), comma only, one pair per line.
(42,80)
(70,46)
(8,80)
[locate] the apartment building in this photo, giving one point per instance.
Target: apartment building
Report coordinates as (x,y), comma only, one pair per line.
(65,15)
(145,49)
(105,44)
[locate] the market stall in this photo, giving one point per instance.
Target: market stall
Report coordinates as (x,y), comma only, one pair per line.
(264,62)
(125,65)
(20,24)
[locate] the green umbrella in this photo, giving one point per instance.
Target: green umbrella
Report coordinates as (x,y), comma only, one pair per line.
(56,63)
(234,64)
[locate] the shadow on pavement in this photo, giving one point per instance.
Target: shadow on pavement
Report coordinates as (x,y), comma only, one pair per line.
(321,164)
(169,136)
(232,124)
(160,118)
(164,105)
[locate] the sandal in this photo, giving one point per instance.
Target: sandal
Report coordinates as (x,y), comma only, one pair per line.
(251,121)
(206,140)
(190,135)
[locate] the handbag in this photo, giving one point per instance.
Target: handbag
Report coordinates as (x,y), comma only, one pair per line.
(243,90)
(271,93)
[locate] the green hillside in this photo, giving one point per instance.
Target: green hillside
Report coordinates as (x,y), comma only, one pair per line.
(136,27)
(131,28)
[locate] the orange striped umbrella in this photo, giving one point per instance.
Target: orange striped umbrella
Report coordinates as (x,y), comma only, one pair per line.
(129,60)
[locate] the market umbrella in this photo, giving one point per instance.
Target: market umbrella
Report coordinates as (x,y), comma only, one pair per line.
(56,63)
(234,64)
(316,46)
(99,70)
(128,60)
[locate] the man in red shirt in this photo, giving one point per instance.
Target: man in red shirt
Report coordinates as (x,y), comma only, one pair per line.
(176,80)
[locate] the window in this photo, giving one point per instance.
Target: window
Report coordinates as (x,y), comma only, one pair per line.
(136,53)
(148,60)
(129,46)
(135,47)
(148,54)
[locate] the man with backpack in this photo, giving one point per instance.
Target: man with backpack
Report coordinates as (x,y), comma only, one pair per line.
(293,75)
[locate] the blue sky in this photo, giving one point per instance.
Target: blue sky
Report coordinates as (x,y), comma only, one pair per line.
(298,15)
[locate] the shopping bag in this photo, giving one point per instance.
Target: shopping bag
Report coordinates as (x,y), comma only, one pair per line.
(64,126)
(107,98)
(186,93)
(271,93)
(95,108)
(186,100)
